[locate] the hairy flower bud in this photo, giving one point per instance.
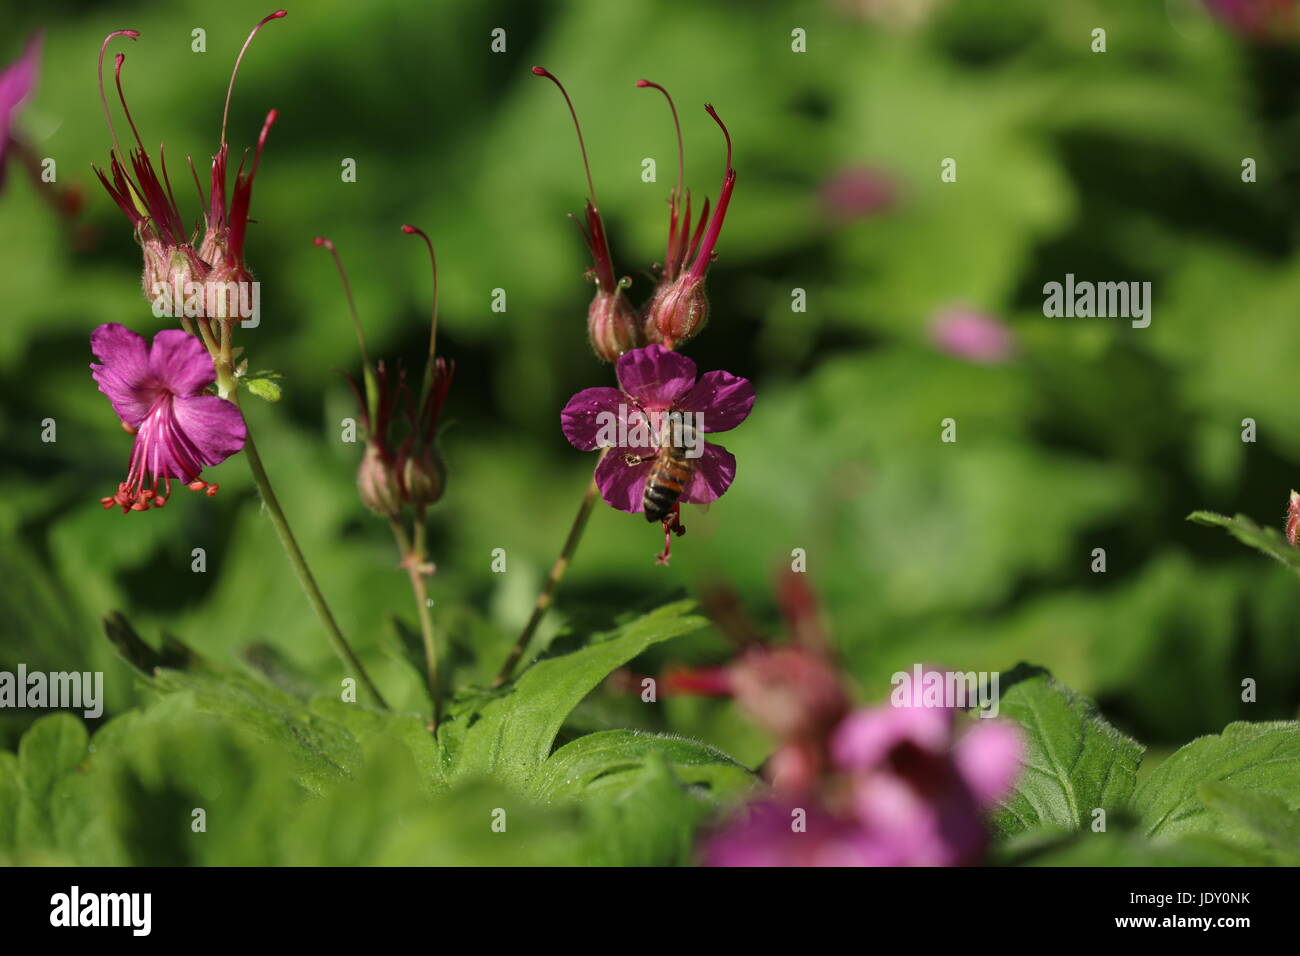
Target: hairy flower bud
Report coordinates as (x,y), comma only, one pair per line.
(378,484)
(168,274)
(678,311)
(229,293)
(424,477)
(612,325)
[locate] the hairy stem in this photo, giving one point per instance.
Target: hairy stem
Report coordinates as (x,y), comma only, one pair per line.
(547,594)
(305,577)
(414,559)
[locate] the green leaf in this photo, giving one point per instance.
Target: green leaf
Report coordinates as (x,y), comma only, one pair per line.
(508,732)
(615,759)
(650,822)
(1119,846)
(1075,763)
(1257,759)
(50,750)
(1264,814)
(1267,540)
(265,385)
(323,750)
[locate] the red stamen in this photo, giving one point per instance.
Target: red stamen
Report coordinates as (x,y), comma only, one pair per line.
(239,59)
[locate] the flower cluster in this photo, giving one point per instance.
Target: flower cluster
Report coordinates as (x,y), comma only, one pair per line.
(160,392)
(401,466)
(185,275)
(678,308)
(659,402)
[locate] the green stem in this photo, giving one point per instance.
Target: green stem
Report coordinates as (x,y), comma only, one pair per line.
(413,558)
(547,594)
(305,577)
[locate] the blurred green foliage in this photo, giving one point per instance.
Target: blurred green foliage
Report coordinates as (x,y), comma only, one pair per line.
(1116,166)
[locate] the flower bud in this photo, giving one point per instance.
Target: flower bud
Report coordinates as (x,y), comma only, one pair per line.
(792,691)
(378,484)
(228,293)
(678,311)
(612,325)
(168,272)
(424,477)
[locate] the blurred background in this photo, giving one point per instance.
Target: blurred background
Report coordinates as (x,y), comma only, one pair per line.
(923,302)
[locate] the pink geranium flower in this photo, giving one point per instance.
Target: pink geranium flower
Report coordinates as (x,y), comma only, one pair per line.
(659,406)
(16,82)
(158,393)
(906,790)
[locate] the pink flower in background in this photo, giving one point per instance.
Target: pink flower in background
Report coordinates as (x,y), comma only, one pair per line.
(16,83)
(972,336)
(904,790)
(632,424)
(158,393)
(857,192)
(1258,19)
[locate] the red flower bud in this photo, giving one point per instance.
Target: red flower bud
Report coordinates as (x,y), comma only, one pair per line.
(378,483)
(677,312)
(424,477)
(612,325)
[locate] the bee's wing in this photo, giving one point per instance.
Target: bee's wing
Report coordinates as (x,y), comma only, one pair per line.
(703,506)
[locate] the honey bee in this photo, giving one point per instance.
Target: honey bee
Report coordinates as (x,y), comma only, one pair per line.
(669,475)
(667,479)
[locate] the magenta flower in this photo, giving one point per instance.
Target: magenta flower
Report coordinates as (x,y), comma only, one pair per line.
(16,82)
(651,429)
(158,393)
(972,337)
(906,791)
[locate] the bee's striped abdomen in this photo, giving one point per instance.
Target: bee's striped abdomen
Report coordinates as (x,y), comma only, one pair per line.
(665,483)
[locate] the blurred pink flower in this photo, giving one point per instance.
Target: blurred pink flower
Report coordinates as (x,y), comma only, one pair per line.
(16,82)
(906,790)
(857,192)
(1258,19)
(972,336)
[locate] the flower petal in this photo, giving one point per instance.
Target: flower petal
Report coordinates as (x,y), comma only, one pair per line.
(16,82)
(714,472)
(623,485)
(588,414)
(180,363)
(989,758)
(722,401)
(655,376)
(212,425)
(124,377)
(865,738)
